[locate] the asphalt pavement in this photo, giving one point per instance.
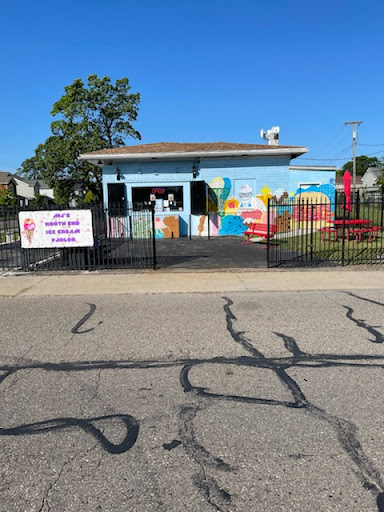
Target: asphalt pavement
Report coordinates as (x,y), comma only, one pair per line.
(243,400)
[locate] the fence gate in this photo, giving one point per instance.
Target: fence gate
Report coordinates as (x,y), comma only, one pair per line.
(340,232)
(122,238)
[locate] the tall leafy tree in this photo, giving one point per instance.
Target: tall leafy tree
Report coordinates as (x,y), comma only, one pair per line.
(90,117)
(362,164)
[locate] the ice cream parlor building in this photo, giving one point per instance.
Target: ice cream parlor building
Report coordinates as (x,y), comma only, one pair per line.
(216,187)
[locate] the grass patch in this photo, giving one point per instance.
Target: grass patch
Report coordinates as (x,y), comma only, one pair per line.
(314,248)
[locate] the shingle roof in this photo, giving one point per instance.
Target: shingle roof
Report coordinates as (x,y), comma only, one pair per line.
(26,180)
(5,177)
(375,171)
(340,180)
(185,147)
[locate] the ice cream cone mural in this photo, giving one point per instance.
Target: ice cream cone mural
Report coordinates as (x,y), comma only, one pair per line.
(220,188)
(29,229)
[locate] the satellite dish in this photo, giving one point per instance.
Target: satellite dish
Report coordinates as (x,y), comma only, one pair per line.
(263,134)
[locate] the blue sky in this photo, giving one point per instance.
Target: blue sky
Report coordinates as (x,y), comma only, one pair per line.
(207,70)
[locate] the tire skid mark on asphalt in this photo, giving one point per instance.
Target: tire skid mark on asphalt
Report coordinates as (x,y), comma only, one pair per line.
(75,329)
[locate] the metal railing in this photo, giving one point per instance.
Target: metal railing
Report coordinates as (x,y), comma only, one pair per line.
(338,232)
(124,237)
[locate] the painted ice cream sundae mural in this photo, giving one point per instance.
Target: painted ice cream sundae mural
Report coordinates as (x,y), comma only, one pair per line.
(29,229)
(234,205)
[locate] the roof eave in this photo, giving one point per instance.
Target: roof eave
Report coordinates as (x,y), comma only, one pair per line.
(313,167)
(192,155)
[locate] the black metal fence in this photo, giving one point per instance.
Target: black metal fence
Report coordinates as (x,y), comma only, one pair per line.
(123,238)
(339,232)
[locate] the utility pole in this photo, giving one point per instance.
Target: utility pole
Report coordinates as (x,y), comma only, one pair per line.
(354,136)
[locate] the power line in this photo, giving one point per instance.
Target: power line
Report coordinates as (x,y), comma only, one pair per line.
(324,159)
(332,144)
(338,159)
(332,158)
(377,153)
(369,144)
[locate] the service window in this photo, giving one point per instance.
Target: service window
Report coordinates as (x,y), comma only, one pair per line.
(164,199)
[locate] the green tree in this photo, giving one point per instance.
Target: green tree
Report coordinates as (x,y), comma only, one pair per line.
(92,117)
(7,197)
(380,182)
(90,198)
(39,200)
(362,164)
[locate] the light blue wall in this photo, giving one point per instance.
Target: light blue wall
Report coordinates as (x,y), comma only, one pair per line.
(156,174)
(326,179)
(270,172)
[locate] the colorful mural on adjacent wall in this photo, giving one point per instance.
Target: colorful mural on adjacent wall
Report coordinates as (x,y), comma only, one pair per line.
(234,205)
(167,227)
(320,197)
(141,227)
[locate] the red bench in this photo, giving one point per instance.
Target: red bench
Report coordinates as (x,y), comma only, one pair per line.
(257,229)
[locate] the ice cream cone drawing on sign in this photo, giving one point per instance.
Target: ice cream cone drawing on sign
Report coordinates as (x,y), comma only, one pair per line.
(29,229)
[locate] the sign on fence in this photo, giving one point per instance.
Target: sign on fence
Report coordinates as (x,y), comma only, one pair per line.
(56,228)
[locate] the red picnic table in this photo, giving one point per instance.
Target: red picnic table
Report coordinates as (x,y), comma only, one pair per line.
(354,227)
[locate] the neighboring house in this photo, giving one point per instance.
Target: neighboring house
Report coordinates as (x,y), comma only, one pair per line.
(371,176)
(7,182)
(44,190)
(26,190)
(185,180)
(340,183)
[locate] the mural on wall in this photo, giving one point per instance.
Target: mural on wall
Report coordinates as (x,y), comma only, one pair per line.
(141,227)
(200,225)
(219,189)
(167,227)
(235,205)
(320,197)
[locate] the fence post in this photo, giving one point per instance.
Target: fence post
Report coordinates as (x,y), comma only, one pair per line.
(357,204)
(343,240)
(268,231)
(336,198)
(311,235)
(153,237)
(382,209)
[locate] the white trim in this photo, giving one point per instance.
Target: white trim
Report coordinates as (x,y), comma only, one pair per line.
(312,168)
(191,155)
(307,185)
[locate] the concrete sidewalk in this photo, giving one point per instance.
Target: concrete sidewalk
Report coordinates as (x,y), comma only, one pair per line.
(189,282)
